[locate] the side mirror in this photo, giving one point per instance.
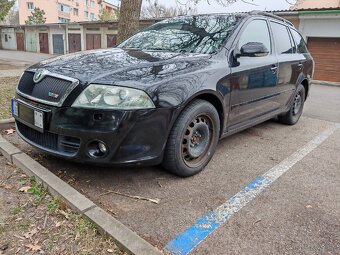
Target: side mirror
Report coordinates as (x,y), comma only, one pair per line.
(253,49)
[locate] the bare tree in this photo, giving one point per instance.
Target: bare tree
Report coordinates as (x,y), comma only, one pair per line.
(128,22)
(156,10)
(108,15)
(13,17)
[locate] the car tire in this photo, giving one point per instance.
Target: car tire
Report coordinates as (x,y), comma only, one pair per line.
(193,139)
(295,111)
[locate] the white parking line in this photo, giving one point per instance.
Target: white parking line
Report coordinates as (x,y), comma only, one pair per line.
(194,235)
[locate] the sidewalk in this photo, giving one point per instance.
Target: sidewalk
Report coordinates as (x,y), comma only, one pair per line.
(11,72)
(23,56)
(13,63)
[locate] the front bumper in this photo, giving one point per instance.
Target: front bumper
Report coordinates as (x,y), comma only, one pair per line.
(132,137)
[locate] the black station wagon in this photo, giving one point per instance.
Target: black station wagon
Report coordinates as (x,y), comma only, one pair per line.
(167,94)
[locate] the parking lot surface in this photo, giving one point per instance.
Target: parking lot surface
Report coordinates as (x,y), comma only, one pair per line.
(298,214)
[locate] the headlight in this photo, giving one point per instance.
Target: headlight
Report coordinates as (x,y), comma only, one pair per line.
(113,97)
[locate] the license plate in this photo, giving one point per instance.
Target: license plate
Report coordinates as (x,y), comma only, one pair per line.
(15,110)
(28,114)
(38,119)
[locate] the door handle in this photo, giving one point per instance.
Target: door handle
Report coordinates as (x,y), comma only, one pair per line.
(273,69)
(300,65)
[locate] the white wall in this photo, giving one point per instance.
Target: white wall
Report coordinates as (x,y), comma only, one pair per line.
(11,42)
(321,25)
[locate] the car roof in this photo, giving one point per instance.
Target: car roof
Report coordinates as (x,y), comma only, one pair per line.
(247,14)
(271,15)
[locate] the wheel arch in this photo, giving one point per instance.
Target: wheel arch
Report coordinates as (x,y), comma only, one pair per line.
(213,98)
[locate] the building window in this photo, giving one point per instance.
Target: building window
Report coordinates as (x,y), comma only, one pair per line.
(30,6)
(63,20)
(92,4)
(86,2)
(6,38)
(64,8)
(86,14)
(93,16)
(75,12)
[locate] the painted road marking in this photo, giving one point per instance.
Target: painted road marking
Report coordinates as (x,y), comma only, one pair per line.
(193,236)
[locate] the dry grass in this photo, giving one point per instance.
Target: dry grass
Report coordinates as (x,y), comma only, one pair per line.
(33,222)
(7,91)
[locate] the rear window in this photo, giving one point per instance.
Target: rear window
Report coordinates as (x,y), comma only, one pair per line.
(282,39)
(301,46)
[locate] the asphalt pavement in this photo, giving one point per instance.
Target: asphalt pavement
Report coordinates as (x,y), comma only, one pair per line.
(23,56)
(13,63)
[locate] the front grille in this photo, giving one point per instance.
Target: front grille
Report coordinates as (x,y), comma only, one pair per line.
(59,144)
(44,89)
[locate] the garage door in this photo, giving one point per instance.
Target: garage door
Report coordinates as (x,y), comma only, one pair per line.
(58,44)
(93,41)
(326,53)
(74,42)
(31,41)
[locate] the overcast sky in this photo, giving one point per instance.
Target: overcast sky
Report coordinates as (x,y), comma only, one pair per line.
(239,6)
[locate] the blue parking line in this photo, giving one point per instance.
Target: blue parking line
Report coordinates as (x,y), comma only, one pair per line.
(192,237)
(184,243)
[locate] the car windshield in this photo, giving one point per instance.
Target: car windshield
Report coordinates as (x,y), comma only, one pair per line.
(193,34)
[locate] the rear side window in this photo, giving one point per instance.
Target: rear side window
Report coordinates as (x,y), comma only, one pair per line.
(301,46)
(283,42)
(256,31)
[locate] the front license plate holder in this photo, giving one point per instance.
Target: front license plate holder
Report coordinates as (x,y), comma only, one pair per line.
(29,115)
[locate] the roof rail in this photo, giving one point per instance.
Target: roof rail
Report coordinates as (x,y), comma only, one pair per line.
(271,16)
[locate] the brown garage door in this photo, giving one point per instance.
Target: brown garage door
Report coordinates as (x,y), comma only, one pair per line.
(93,41)
(74,42)
(326,53)
(43,41)
(20,41)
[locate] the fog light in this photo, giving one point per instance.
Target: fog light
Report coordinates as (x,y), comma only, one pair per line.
(97,149)
(102,148)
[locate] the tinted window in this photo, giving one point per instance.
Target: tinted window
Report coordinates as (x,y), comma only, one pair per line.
(256,31)
(299,41)
(282,39)
(196,34)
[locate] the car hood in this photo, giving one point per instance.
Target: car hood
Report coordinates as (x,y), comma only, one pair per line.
(122,66)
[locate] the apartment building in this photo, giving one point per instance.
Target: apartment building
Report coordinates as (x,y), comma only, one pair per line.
(64,11)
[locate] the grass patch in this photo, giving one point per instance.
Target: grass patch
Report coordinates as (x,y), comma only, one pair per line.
(22,179)
(84,226)
(7,92)
(46,221)
(24,226)
(53,205)
(16,210)
(4,228)
(37,190)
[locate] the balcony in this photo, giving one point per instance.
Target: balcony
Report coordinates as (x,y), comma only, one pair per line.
(66,15)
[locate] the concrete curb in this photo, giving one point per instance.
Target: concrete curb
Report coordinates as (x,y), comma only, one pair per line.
(125,238)
(7,123)
(326,83)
